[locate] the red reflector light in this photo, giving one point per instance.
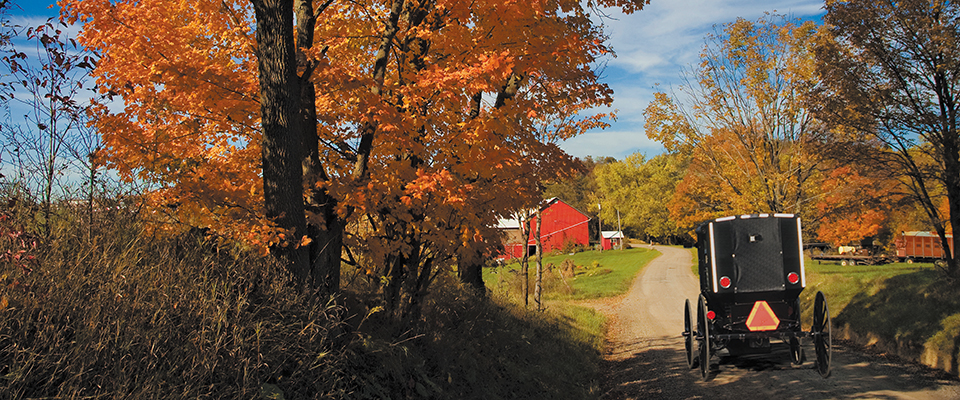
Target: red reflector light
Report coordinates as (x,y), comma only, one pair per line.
(762,318)
(793,278)
(711,315)
(725,282)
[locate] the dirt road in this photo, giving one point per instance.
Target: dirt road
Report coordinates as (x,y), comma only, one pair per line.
(645,354)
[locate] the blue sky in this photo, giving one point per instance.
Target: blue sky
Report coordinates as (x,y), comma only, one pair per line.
(652,47)
(34,8)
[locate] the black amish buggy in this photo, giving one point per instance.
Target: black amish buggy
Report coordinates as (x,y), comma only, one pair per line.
(751,275)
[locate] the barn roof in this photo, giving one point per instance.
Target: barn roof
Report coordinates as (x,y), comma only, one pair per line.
(513,223)
(508,223)
(612,234)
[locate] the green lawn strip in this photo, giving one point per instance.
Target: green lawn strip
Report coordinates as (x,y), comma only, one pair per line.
(901,308)
(521,353)
(585,325)
(597,275)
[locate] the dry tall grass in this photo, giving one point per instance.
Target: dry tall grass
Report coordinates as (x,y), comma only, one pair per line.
(116,314)
(106,312)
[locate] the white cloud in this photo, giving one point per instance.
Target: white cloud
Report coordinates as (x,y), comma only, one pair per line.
(652,47)
(618,144)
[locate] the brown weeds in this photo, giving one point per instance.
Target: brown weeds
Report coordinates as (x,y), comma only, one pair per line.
(104,311)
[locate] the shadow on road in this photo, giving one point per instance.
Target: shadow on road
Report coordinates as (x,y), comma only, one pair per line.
(655,368)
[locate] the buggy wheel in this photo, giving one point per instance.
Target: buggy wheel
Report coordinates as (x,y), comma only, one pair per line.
(821,331)
(796,352)
(796,355)
(688,333)
(703,326)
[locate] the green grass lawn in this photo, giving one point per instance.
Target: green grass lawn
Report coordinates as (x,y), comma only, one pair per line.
(908,306)
(597,274)
(845,283)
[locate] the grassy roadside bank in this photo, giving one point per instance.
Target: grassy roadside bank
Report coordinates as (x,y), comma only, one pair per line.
(111,312)
(907,310)
(595,275)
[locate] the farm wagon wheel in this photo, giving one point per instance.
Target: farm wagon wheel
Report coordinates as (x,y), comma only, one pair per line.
(822,335)
(688,333)
(703,326)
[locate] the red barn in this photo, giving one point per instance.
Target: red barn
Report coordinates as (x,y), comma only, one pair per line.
(563,226)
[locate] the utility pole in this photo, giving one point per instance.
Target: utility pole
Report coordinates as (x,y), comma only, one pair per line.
(619,229)
(600,225)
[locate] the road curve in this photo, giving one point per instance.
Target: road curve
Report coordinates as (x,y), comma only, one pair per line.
(645,354)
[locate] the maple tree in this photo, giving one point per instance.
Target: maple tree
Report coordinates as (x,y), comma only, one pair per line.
(741,118)
(855,205)
(428,120)
(890,72)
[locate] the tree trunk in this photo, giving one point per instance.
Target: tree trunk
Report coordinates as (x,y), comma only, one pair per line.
(369,129)
(952,185)
(325,227)
(470,261)
(470,269)
(525,235)
(418,292)
(538,289)
(392,289)
(282,137)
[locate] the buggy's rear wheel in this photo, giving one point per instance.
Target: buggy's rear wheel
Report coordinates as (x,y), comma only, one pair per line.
(688,333)
(821,331)
(703,326)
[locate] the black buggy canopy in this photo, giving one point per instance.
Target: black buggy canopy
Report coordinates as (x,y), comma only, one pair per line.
(751,254)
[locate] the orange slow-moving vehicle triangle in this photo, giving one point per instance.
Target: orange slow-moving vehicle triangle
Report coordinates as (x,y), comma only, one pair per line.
(762,318)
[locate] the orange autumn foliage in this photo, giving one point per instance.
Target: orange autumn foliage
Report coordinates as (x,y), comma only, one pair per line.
(854,206)
(466,116)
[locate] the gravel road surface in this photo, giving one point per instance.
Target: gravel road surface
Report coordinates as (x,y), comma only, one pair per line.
(645,359)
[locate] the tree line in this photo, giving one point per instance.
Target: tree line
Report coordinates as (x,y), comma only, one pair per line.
(851,124)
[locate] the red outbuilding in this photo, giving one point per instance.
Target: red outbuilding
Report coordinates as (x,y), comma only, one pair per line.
(611,240)
(563,227)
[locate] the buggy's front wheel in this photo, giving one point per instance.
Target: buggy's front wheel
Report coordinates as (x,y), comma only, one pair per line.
(796,351)
(821,332)
(688,333)
(796,355)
